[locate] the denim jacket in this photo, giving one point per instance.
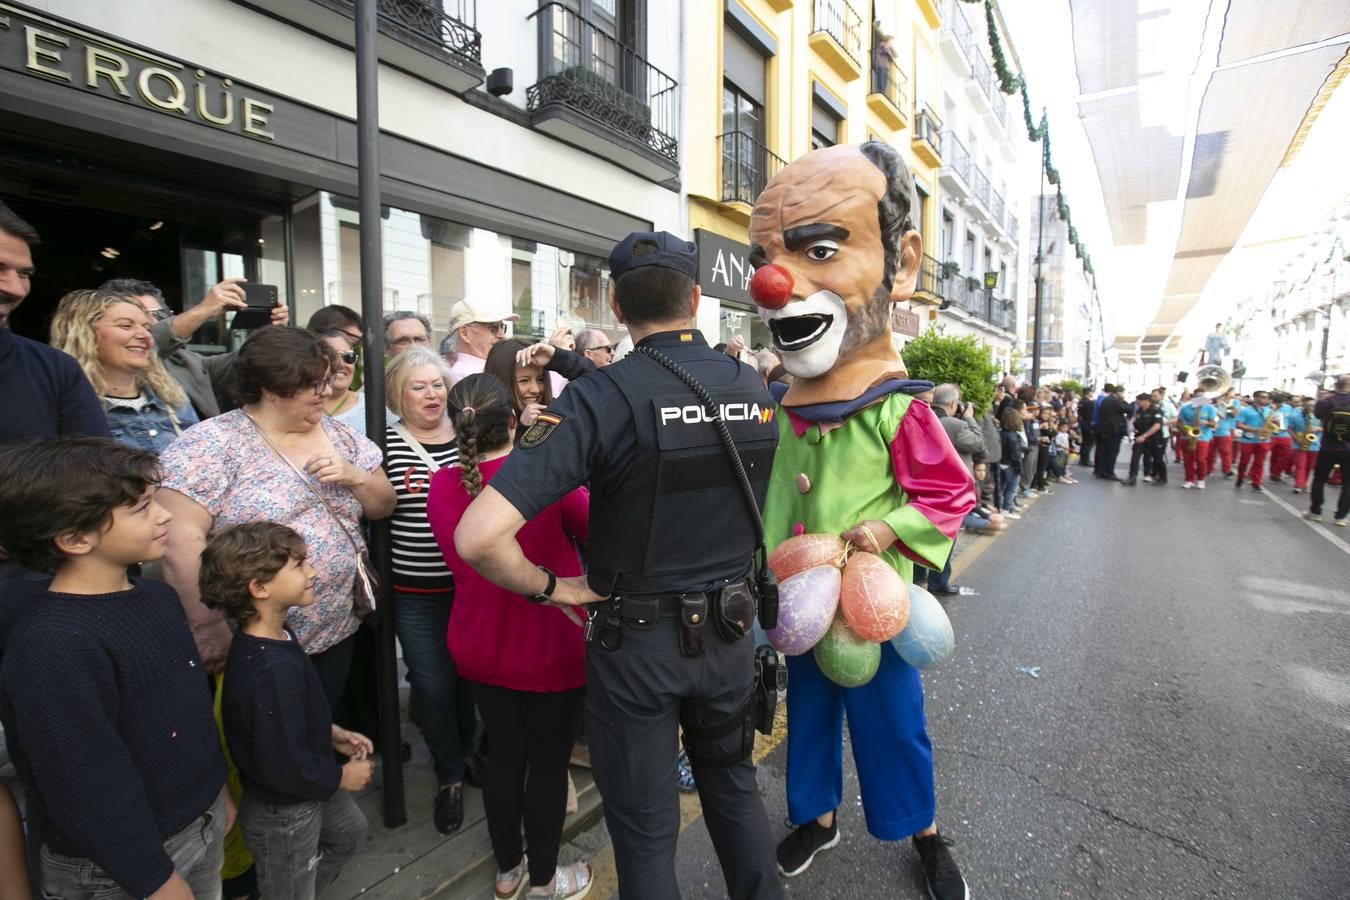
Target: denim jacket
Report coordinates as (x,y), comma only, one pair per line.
(146,423)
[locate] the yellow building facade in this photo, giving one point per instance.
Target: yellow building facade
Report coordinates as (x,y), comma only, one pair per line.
(784,77)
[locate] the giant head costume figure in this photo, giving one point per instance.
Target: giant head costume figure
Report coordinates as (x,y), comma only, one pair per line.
(834,245)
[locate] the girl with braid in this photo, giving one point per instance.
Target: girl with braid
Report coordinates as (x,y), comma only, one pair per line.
(524,660)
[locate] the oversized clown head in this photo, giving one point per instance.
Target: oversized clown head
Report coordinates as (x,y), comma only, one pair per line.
(834,246)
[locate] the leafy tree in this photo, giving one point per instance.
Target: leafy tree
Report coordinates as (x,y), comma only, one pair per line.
(964,361)
(1071,384)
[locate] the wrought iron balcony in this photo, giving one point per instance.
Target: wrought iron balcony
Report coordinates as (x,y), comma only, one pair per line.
(888,82)
(927,128)
(747,165)
(929,286)
(603,96)
(955,157)
(968,294)
(839,20)
(434,39)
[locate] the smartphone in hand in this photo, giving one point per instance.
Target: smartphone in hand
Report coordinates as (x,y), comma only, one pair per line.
(261,300)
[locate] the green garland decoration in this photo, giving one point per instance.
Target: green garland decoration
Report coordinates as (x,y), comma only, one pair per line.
(1011,82)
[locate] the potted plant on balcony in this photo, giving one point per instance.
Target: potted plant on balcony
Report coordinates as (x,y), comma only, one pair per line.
(950,269)
(607,101)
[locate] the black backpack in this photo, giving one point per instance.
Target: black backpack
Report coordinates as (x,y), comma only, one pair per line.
(1337,425)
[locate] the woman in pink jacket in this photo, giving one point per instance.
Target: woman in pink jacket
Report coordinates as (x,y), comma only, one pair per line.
(526,661)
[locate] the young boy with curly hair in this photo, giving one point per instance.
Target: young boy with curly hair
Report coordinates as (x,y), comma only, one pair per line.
(298,816)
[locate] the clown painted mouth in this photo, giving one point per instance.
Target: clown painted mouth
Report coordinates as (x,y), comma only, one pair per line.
(799,332)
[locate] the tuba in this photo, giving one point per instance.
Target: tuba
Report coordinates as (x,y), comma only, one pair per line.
(1212,381)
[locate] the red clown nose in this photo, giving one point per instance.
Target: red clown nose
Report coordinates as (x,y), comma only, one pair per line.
(771,287)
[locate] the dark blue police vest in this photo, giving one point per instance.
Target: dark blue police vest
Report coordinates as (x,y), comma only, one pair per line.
(679,521)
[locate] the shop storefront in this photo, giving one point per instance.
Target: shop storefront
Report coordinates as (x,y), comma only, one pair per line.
(724,274)
(133,163)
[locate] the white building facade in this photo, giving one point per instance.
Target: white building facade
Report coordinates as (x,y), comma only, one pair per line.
(980,208)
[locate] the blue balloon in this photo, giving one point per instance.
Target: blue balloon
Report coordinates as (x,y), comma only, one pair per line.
(928,638)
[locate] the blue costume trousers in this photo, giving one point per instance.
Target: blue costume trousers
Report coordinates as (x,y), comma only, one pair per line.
(891,750)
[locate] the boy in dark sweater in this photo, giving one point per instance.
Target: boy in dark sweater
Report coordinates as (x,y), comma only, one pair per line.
(101,687)
(298,816)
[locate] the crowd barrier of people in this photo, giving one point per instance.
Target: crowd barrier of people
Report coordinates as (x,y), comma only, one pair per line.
(194,529)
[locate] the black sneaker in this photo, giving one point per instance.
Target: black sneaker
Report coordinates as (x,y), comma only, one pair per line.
(1238,483)
(448,812)
(939,869)
(1257,488)
(474,768)
(798,849)
(1130,482)
(1227,474)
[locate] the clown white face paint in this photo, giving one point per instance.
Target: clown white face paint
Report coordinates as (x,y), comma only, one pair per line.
(807,334)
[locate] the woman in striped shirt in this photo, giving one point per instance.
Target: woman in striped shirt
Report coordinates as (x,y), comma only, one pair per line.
(419,443)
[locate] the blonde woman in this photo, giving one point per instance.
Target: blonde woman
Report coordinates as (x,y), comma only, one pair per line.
(108,334)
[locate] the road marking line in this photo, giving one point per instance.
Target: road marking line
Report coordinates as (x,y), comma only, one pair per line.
(1315,526)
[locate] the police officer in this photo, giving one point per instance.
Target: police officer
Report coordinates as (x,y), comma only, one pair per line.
(670,556)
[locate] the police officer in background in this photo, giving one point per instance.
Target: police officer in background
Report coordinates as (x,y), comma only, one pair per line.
(670,559)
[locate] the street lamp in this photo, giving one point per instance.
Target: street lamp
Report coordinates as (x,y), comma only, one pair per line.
(990,282)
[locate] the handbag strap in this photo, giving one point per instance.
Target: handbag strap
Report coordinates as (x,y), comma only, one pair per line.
(416,446)
(304,479)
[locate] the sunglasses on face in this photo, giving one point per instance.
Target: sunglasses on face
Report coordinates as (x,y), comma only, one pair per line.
(494,327)
(161,313)
(606,348)
(347,356)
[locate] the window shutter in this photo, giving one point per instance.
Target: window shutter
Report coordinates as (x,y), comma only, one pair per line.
(742,65)
(824,121)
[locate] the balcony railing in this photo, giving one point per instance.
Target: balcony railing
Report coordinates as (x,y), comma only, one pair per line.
(437,40)
(747,165)
(447,24)
(968,294)
(605,83)
(984,76)
(841,21)
(889,81)
(997,208)
(981,189)
(956,25)
(955,156)
(930,281)
(927,127)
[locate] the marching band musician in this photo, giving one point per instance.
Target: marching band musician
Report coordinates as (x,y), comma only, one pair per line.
(1282,441)
(1221,444)
(1256,423)
(1307,441)
(1196,420)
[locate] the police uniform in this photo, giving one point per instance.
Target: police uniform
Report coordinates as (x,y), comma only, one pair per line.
(669,530)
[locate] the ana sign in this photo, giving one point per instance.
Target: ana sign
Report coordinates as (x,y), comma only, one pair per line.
(67,54)
(724,268)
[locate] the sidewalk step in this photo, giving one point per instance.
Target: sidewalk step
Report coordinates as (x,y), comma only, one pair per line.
(415,861)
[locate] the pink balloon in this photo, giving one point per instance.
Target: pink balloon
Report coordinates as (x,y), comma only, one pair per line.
(873,598)
(805,551)
(806,606)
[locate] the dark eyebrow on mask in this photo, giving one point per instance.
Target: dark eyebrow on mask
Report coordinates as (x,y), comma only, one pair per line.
(797,236)
(757,257)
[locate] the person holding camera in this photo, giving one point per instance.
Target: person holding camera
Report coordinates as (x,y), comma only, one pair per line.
(671,546)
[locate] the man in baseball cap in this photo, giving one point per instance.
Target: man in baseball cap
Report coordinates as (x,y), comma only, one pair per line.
(474,328)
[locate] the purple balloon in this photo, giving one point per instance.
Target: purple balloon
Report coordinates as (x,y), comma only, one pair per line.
(807,603)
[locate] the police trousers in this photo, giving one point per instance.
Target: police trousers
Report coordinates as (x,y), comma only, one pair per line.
(636,695)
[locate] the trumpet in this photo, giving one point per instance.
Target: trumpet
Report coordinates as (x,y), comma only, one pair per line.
(1305,438)
(1192,431)
(1273,425)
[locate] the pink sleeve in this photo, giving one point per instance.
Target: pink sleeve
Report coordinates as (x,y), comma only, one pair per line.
(576,513)
(939,490)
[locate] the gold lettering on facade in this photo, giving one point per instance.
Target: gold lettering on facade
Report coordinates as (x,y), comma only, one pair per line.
(205,114)
(102,64)
(176,101)
(255,118)
(39,56)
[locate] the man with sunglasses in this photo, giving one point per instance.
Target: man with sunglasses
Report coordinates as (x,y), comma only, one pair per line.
(205,379)
(593,345)
(474,329)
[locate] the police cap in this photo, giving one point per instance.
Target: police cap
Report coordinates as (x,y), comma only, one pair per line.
(670,252)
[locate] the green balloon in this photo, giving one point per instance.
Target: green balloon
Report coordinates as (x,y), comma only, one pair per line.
(846,659)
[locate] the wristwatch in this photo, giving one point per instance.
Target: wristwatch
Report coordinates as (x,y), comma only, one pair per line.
(547,593)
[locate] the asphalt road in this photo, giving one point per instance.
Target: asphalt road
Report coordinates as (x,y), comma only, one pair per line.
(1189,731)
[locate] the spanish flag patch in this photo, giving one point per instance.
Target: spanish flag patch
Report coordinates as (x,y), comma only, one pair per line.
(540,430)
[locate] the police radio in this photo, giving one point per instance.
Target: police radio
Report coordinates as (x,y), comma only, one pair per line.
(766,586)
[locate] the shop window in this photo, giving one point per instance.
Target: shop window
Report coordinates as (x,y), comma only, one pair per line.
(347,290)
(588,292)
(737,319)
(447,280)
